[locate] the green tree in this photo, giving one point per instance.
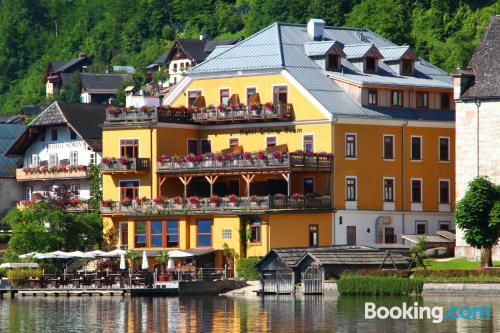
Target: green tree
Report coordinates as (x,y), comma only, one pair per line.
(477,215)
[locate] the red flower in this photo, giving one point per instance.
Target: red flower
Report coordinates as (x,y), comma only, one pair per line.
(214,199)
(261,156)
(158,200)
(105,161)
(194,200)
(63,167)
(75,201)
(232,198)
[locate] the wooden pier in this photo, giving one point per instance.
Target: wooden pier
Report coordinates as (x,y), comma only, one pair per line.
(91,292)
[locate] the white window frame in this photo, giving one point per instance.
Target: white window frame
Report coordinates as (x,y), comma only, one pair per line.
(281,85)
(421,190)
(439,149)
(439,190)
(233,137)
(417,222)
(313,140)
(28,192)
(56,160)
(93,158)
(393,189)
(71,153)
(191,90)
(440,223)
(228,98)
(393,147)
(246,92)
(355,188)
(355,157)
(129,180)
(421,148)
(227,234)
(35,160)
(77,188)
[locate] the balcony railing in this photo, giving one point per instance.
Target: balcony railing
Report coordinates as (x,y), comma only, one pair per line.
(200,205)
(255,161)
(210,114)
(76,207)
(42,173)
(238,113)
(125,164)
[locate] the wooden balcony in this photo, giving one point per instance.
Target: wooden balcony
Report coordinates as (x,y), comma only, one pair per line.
(125,165)
(22,175)
(200,115)
(197,206)
(212,164)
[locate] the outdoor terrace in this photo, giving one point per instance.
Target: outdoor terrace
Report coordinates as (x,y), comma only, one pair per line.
(238,113)
(48,173)
(216,205)
(125,165)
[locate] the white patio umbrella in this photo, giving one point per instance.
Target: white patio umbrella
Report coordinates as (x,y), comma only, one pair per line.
(93,254)
(53,255)
(145,264)
(28,255)
(19,265)
(114,254)
(179,254)
(170,264)
(77,254)
(122,262)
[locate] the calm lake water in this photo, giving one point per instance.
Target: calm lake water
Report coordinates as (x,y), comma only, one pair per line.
(222,314)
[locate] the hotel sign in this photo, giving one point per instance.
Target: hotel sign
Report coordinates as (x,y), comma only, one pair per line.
(264,130)
(69,144)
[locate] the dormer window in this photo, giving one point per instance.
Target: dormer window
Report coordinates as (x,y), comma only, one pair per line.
(370,64)
(333,62)
(406,67)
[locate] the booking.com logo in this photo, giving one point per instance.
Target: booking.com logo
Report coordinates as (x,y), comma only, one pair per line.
(436,313)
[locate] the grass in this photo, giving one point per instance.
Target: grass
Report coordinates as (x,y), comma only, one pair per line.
(433,264)
(351,284)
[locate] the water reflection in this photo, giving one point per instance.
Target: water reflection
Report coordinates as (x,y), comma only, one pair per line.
(220,314)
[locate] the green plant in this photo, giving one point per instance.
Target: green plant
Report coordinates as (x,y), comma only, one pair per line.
(459,275)
(476,214)
(352,284)
(162,258)
(418,251)
(95,186)
(19,277)
(247,268)
(229,253)
(133,256)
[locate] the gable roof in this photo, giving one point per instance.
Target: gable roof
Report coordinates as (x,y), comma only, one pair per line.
(102,83)
(313,49)
(356,51)
(61,66)
(395,53)
(84,119)
(485,63)
(281,47)
(356,257)
(197,49)
(8,134)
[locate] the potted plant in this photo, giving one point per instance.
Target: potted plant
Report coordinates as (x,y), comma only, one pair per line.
(123,162)
(177,203)
(162,258)
(232,200)
(214,200)
(193,201)
(158,201)
(127,202)
(105,161)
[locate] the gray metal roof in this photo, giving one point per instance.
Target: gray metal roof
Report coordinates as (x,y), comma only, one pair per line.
(353,51)
(358,258)
(218,50)
(8,134)
(392,53)
(318,48)
(102,83)
(283,46)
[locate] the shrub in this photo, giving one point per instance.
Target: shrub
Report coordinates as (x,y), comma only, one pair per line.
(385,272)
(247,268)
(351,284)
(459,274)
(19,277)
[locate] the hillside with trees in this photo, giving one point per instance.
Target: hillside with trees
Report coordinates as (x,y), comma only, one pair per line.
(117,32)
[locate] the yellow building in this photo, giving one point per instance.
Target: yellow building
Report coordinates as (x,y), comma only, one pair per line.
(241,152)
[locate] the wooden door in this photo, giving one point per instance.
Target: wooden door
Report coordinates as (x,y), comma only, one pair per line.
(351,235)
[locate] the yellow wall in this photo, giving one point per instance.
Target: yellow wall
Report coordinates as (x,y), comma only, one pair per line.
(303,108)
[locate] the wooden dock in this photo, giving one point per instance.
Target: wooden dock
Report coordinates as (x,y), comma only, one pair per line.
(90,292)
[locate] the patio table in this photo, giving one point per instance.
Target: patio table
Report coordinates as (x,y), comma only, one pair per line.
(32,283)
(54,282)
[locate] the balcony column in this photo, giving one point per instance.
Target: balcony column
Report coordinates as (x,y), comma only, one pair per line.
(287,176)
(248,179)
(211,180)
(160,184)
(185,181)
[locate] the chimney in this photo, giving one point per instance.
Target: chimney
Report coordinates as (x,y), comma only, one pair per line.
(83,55)
(462,80)
(203,35)
(315,28)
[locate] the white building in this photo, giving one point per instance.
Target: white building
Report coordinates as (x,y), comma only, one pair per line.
(57,147)
(477,95)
